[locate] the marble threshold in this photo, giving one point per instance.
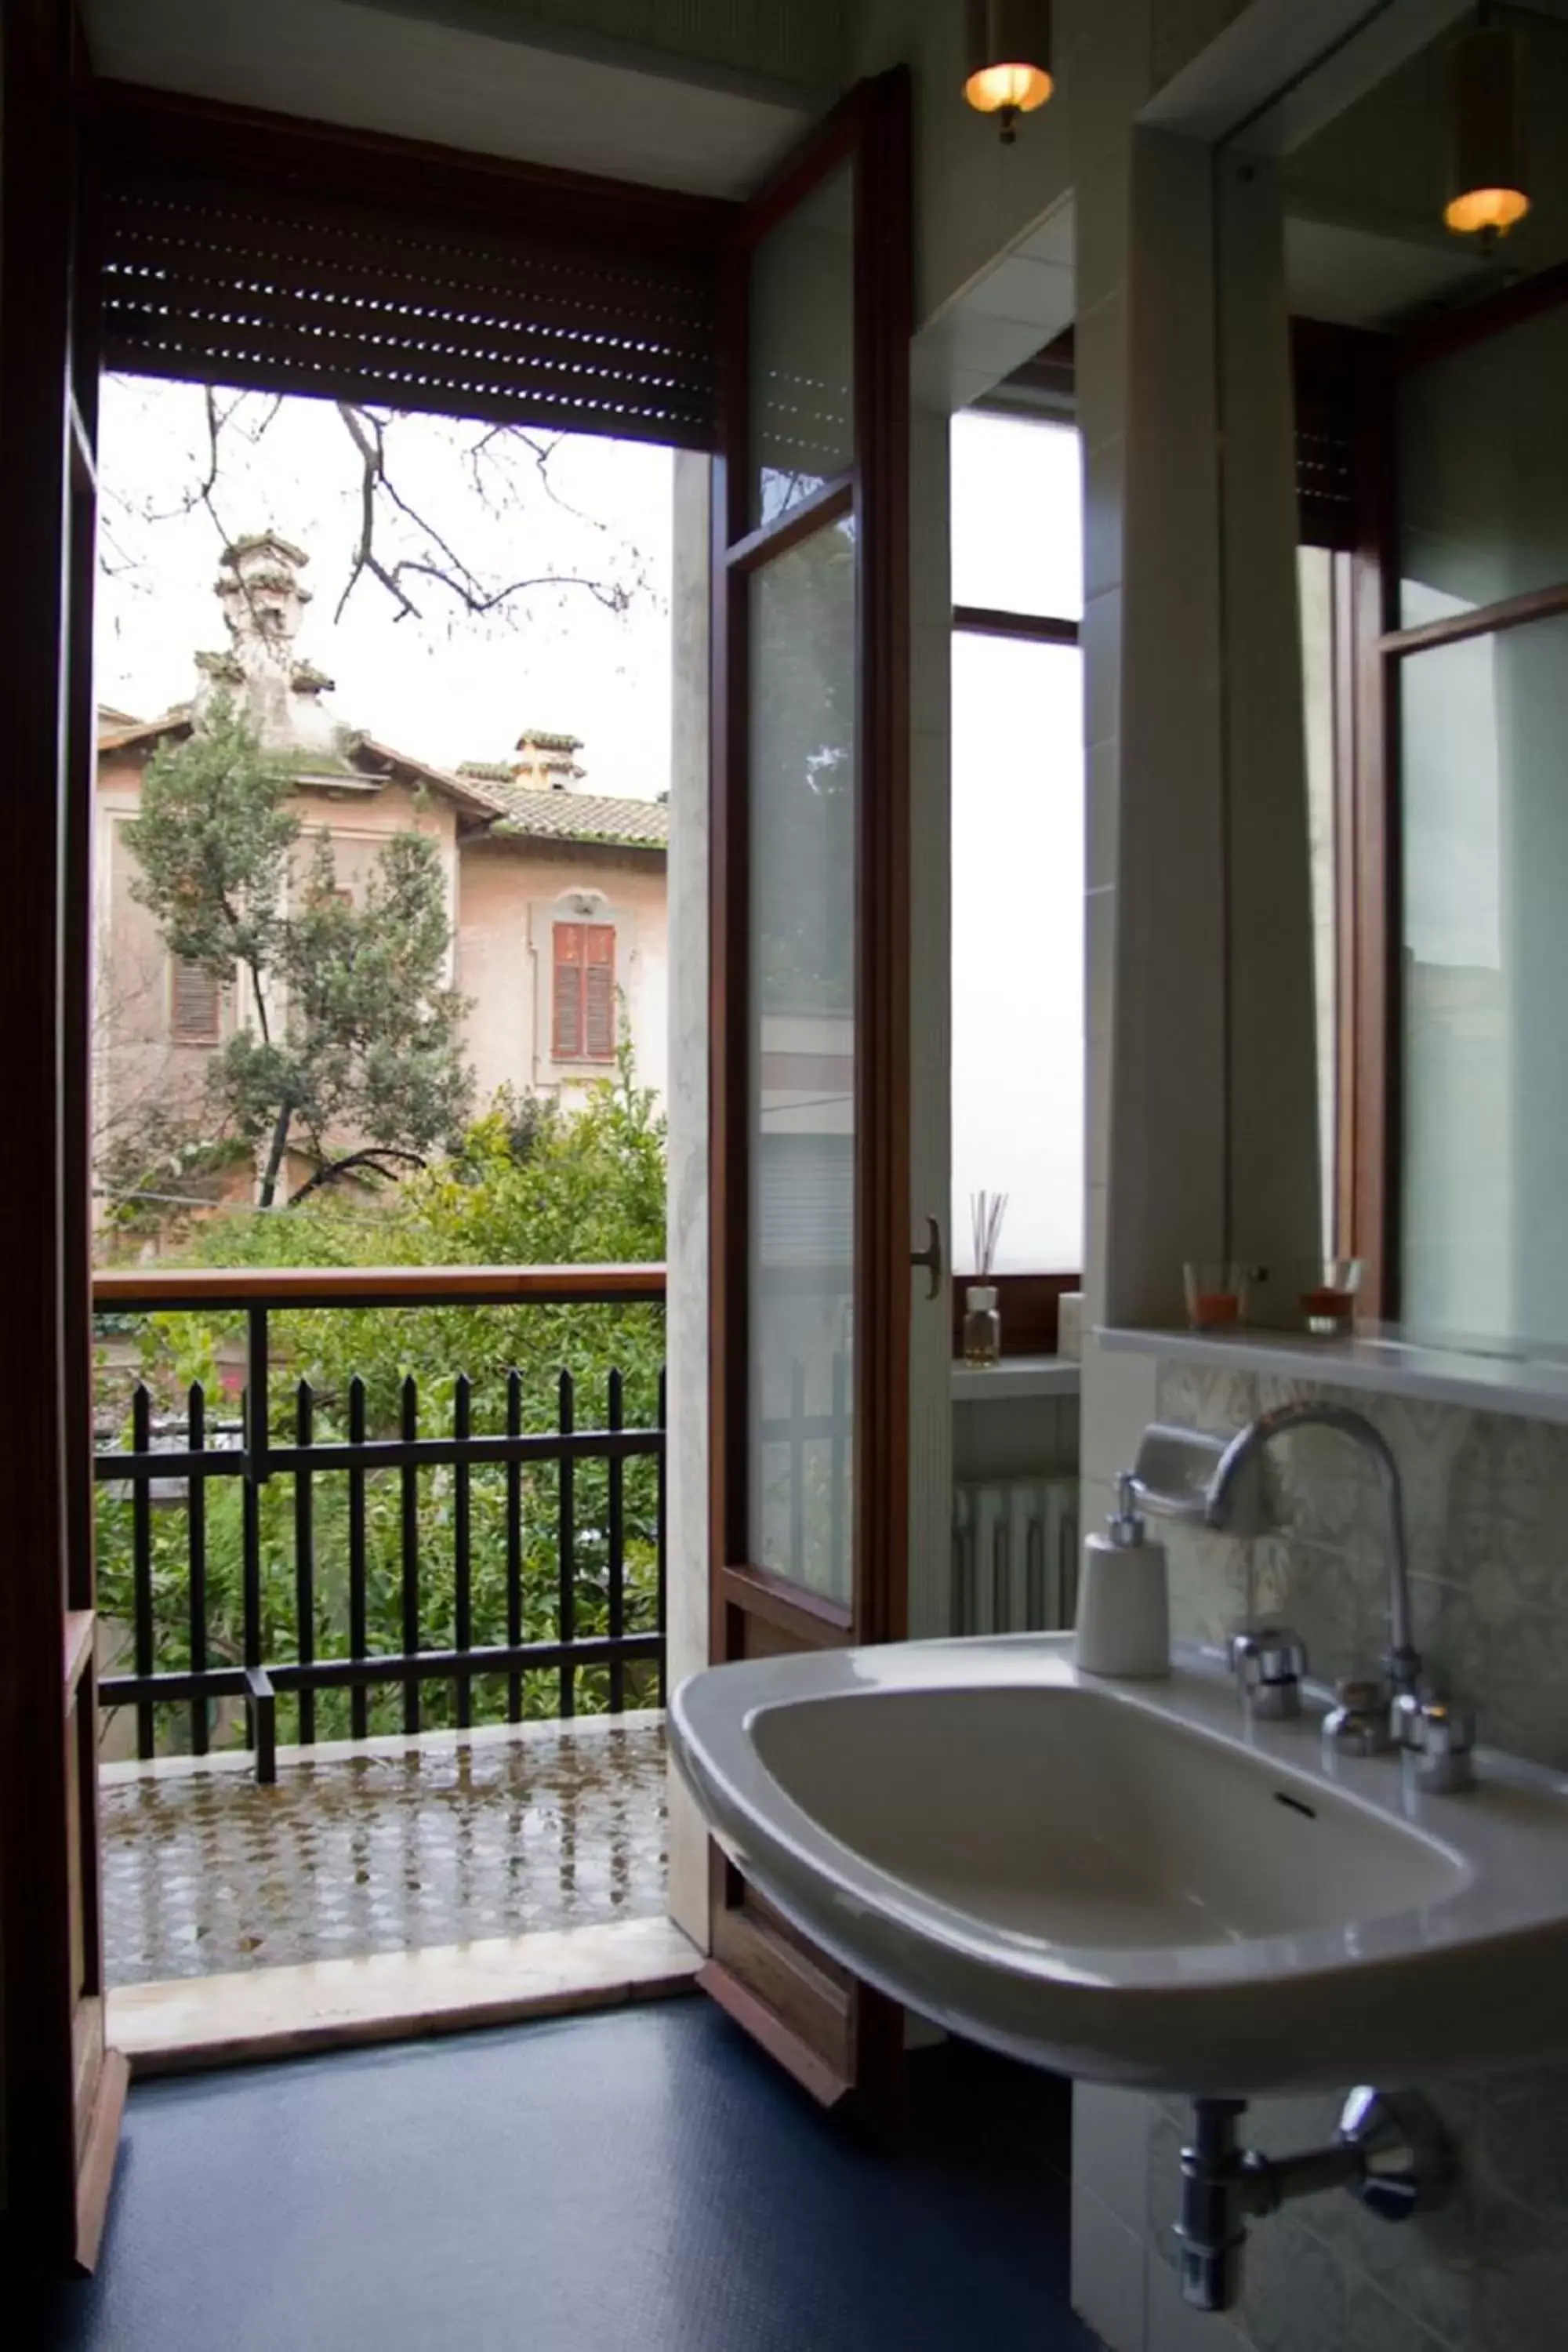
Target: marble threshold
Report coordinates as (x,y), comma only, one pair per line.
(188,2023)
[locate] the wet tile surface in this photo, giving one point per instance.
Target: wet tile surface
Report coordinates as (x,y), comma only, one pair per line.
(381,1852)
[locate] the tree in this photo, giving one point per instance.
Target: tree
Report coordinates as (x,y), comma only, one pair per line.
(582,1185)
(434,541)
(347,1035)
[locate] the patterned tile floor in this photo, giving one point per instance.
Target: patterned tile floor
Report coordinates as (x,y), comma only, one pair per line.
(206,1871)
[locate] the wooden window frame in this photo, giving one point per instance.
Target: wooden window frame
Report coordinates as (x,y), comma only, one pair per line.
(1370,841)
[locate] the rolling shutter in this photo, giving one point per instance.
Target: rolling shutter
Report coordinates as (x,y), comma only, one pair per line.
(275,255)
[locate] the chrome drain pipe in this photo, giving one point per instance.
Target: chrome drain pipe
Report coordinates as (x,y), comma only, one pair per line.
(1391,2151)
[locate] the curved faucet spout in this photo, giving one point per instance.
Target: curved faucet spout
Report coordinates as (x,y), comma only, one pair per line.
(1403,1662)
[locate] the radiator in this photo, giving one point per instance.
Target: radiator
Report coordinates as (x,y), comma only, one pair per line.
(1014,1555)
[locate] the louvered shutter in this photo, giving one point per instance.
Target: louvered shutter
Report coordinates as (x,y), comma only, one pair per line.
(286,256)
(566,1002)
(599,976)
(196,995)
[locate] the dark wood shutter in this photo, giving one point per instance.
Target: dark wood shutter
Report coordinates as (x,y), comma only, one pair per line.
(278,255)
(196,997)
(582,1001)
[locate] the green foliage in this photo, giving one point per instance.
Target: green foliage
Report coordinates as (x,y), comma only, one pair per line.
(349,1030)
(582,1187)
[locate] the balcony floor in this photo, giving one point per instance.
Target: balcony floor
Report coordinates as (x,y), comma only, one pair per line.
(397,1845)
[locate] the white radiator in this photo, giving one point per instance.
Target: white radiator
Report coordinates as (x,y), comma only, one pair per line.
(1014,1555)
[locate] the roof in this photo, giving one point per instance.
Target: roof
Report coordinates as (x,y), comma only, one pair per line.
(503,810)
(581,816)
(368,762)
(543,740)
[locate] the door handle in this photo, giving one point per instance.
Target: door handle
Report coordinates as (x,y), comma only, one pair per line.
(930,1257)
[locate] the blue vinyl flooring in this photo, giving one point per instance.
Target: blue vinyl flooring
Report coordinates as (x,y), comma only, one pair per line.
(640,2179)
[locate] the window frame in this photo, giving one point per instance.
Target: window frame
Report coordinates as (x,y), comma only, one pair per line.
(1029,1302)
(1369,839)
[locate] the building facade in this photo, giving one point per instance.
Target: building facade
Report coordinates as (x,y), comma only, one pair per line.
(556,893)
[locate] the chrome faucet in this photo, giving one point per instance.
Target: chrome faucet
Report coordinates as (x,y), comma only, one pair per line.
(1368,1715)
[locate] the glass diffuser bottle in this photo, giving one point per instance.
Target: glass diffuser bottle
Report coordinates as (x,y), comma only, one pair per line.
(982,1316)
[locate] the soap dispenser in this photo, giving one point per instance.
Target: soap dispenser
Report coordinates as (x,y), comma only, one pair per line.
(1123,1610)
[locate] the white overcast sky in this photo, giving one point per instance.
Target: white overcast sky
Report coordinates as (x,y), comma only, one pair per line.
(445,687)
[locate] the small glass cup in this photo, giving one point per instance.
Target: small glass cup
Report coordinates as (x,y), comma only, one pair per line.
(1217,1294)
(1328,1296)
(982,1325)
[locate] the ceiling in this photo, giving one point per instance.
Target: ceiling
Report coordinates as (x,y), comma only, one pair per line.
(392,69)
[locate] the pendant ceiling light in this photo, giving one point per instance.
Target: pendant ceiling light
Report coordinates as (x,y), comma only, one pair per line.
(1485,193)
(1008,59)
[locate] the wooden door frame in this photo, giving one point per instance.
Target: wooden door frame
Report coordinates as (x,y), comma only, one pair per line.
(833,2035)
(64,2090)
(876,491)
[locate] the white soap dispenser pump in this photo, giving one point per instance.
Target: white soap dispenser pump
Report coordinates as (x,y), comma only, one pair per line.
(1123,1608)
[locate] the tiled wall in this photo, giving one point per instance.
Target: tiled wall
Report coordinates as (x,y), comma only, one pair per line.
(1487,1499)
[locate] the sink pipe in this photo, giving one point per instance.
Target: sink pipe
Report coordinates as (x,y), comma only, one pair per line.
(1391,2151)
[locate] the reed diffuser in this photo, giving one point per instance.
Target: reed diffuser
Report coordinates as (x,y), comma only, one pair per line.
(982,1320)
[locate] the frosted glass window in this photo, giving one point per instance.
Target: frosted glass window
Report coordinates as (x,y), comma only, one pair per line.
(1017,947)
(803,348)
(802,1061)
(1018,773)
(1484,978)
(1018,515)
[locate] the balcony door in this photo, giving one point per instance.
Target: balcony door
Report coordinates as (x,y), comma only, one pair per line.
(64,2088)
(810,986)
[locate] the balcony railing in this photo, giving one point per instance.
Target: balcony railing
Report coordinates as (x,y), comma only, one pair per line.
(374,1497)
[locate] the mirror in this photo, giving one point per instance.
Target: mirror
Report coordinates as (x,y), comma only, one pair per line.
(1394,458)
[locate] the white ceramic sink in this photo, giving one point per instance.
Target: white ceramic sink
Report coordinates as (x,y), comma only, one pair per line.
(1126,1880)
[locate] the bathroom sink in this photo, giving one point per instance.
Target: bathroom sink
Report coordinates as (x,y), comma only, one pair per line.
(1126,1880)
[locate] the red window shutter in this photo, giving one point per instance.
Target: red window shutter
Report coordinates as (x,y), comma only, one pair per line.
(600,1014)
(196,995)
(566,1001)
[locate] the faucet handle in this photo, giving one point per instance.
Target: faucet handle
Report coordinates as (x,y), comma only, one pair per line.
(1443,1741)
(1268,1661)
(1358,1723)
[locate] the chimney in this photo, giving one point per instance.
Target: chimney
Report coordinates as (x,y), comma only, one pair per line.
(546,762)
(264,602)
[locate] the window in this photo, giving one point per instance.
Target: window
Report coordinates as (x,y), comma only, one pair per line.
(583,1004)
(196,999)
(1018,838)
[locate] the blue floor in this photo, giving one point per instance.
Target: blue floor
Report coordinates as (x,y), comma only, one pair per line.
(641,2179)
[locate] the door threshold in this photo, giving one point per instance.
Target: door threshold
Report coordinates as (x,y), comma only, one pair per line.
(185,2024)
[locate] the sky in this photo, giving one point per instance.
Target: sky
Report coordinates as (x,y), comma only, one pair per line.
(442,685)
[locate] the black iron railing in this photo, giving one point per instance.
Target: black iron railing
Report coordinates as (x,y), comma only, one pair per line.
(605,1616)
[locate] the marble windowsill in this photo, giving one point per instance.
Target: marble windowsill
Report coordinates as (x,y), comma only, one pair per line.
(1015,1377)
(1385,1364)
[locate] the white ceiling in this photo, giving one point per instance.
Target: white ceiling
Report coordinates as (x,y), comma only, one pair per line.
(374,70)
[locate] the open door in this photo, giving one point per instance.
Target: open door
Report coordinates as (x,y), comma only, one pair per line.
(63,2088)
(809,1015)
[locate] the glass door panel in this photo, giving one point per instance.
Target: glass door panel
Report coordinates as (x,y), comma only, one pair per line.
(802,797)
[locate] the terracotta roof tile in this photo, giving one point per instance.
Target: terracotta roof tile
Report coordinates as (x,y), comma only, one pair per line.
(582,816)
